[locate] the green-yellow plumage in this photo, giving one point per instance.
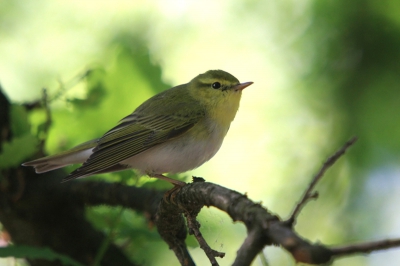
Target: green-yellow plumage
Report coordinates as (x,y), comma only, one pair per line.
(174,131)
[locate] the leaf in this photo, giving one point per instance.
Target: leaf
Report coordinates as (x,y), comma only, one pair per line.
(17,150)
(28,252)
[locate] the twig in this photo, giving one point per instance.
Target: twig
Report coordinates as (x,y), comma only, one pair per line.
(108,239)
(251,246)
(46,125)
(65,86)
(308,194)
(365,247)
(263,258)
(194,228)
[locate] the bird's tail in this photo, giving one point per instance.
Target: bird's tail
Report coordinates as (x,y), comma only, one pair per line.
(78,154)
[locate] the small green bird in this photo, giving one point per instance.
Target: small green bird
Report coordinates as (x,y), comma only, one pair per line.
(174,131)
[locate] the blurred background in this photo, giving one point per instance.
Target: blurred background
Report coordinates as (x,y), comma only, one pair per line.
(323,71)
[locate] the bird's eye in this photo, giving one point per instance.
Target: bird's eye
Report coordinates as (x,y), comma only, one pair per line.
(216,85)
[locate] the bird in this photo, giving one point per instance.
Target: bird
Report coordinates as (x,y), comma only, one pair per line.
(175,131)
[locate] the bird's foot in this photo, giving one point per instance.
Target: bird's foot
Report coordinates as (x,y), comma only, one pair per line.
(170,195)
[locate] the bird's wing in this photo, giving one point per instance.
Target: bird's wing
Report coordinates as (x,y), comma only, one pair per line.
(134,134)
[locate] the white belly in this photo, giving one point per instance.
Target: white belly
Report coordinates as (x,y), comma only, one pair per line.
(178,155)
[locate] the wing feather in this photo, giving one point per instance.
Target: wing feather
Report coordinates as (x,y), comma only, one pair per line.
(133,135)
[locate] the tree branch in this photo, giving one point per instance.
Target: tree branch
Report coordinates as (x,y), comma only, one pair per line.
(115,194)
(308,193)
(263,227)
(194,229)
(31,204)
(365,247)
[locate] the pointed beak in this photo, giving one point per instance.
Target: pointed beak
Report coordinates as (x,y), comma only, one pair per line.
(241,86)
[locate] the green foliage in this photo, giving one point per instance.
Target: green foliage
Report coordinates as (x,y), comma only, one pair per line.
(17,150)
(354,66)
(107,241)
(28,252)
(110,94)
(23,144)
(351,82)
(95,91)
(127,229)
(19,120)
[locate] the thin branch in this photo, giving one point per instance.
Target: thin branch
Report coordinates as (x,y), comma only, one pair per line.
(194,229)
(251,246)
(365,247)
(263,258)
(46,125)
(308,193)
(108,239)
(69,84)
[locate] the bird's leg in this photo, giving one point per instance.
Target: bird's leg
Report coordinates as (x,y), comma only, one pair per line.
(176,183)
(170,194)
